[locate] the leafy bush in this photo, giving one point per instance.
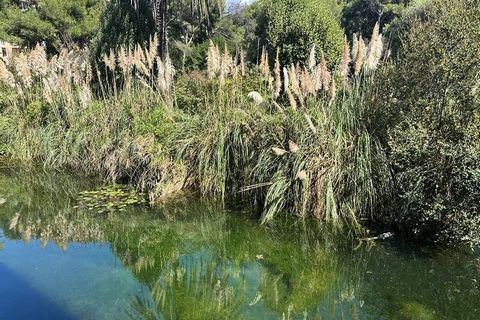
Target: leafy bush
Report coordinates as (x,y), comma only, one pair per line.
(295,25)
(156,122)
(361,15)
(433,106)
(57,22)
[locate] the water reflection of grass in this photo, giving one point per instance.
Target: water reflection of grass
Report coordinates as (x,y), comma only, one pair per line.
(200,261)
(208,268)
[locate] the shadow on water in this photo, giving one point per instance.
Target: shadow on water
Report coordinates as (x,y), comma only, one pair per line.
(19,300)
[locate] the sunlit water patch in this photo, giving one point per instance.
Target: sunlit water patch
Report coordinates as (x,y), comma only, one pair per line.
(66,255)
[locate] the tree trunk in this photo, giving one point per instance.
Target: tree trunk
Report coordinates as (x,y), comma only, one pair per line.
(161,7)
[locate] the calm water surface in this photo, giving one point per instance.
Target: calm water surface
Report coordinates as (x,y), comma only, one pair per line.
(197,260)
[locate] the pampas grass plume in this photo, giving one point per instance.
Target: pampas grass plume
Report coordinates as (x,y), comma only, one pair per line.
(279,151)
(345,62)
(360,56)
(291,99)
(325,76)
(5,75)
(375,49)
(293,147)
(242,62)
(355,47)
(312,61)
(278,78)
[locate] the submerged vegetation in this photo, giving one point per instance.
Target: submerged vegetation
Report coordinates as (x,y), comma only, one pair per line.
(198,259)
(338,129)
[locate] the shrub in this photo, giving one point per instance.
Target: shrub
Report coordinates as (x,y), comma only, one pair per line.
(433,106)
(295,25)
(361,15)
(57,23)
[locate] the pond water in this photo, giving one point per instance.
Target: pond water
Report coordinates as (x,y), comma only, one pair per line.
(64,258)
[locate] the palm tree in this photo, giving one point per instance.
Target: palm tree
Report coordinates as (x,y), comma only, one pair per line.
(160,13)
(160,8)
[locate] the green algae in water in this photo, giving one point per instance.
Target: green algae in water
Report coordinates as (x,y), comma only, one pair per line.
(110,199)
(207,262)
(415,311)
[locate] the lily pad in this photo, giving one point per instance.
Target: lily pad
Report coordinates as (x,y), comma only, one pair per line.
(110,199)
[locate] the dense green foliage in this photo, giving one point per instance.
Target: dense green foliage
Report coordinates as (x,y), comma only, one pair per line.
(294,26)
(359,16)
(57,22)
(190,25)
(121,25)
(237,29)
(433,107)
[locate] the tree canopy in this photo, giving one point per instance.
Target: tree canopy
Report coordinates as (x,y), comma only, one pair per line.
(294,26)
(55,22)
(360,16)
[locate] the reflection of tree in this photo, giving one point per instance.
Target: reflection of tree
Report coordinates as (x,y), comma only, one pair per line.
(209,265)
(193,291)
(39,205)
(196,261)
(179,261)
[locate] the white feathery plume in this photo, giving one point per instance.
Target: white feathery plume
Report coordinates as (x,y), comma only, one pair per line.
(312,60)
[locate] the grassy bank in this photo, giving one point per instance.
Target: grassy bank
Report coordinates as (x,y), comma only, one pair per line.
(344,142)
(294,139)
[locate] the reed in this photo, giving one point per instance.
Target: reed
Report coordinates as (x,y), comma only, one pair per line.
(287,141)
(360,55)
(345,63)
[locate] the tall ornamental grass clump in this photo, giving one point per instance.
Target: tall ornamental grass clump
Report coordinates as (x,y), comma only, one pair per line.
(298,141)
(288,137)
(431,99)
(62,112)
